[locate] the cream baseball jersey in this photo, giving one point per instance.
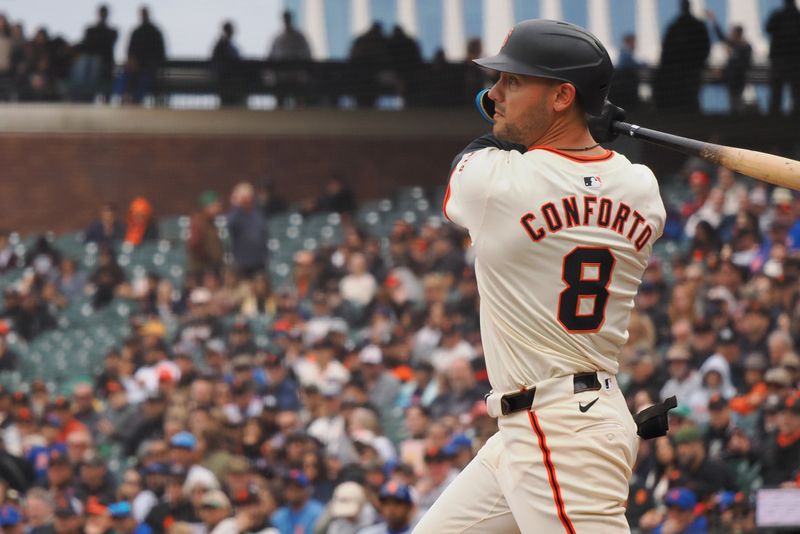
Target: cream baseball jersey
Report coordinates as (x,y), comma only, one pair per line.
(561,244)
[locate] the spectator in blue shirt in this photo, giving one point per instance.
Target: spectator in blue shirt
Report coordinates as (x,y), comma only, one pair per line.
(248,230)
(301,511)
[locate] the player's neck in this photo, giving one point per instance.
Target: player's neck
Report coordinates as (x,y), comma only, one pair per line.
(569,135)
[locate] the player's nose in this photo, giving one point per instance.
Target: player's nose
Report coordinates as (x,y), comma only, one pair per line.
(495,93)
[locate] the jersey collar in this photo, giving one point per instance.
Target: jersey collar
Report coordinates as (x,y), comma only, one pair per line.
(583,159)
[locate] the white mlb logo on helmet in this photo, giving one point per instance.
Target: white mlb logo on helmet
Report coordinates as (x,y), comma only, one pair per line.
(592,181)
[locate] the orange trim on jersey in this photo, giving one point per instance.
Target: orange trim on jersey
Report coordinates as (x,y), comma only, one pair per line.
(551,474)
(580,159)
(447,195)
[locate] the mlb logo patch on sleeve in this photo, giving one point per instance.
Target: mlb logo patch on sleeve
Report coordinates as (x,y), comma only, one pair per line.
(592,181)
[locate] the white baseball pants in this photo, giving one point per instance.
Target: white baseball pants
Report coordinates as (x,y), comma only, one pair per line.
(558,468)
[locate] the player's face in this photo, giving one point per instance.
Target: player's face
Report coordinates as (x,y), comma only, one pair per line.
(523,107)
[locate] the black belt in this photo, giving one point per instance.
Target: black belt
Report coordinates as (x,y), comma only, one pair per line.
(523,400)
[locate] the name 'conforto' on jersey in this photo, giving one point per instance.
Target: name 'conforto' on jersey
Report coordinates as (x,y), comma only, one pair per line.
(572,211)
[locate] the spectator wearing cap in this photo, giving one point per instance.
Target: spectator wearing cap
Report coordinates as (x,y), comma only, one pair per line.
(348,512)
(461,392)
(755,388)
(699,473)
(461,450)
(683,380)
(38,510)
(153,475)
(69,517)
(204,246)
(199,325)
(95,480)
(122,520)
(11,519)
(248,231)
(781,451)
(439,473)
(85,409)
(396,508)
(700,187)
(742,459)
(158,371)
(281,390)
(245,403)
(720,426)
(754,329)
(300,513)
(681,517)
(329,426)
(319,325)
(62,409)
(238,475)
(240,338)
(778,381)
(174,505)
(98,518)
(728,347)
(791,362)
(422,389)
(147,424)
(118,413)
(215,513)
(254,506)
(183,452)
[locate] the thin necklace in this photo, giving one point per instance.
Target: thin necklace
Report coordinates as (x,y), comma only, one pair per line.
(579,149)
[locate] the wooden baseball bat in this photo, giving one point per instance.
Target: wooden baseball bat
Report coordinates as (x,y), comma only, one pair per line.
(776,170)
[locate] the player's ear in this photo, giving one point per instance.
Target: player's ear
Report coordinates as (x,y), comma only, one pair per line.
(564,96)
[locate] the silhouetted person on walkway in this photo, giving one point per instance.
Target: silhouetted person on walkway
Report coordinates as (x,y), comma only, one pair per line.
(740,55)
(146,52)
(405,57)
(368,56)
(226,61)
(683,57)
(783,26)
(290,46)
(95,62)
(625,89)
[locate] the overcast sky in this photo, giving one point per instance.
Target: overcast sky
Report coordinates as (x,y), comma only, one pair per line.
(190,26)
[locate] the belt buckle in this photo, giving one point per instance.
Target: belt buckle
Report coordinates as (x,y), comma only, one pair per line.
(505,406)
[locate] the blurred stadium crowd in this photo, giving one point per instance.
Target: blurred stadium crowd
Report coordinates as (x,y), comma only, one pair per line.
(45,67)
(344,393)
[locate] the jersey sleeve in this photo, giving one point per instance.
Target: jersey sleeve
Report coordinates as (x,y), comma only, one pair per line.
(471,179)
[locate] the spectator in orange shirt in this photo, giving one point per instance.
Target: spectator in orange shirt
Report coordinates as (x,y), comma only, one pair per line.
(754,367)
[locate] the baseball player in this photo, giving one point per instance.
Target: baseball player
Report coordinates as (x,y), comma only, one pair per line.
(562,230)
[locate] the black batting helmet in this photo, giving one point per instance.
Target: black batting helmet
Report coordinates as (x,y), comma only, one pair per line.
(557,50)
